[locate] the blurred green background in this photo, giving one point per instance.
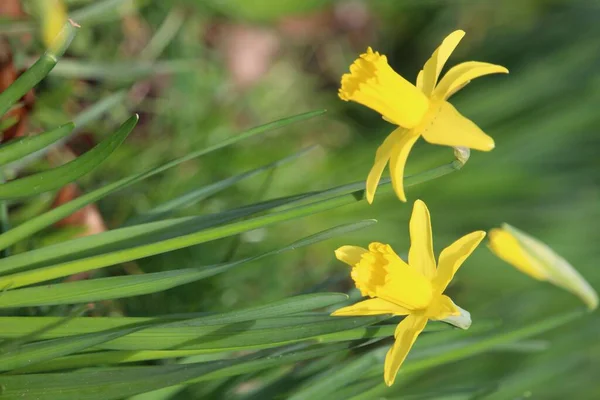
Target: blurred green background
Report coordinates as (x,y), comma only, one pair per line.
(203,70)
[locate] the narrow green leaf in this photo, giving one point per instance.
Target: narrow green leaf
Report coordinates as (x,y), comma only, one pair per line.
(283,307)
(121,72)
(134,285)
(333,379)
(96,358)
(36,224)
(337,377)
(84,118)
(255,334)
(37,71)
(116,383)
(19,148)
(33,353)
(34,335)
(60,176)
(56,327)
(126,286)
(100,261)
(192,197)
(473,347)
(271,359)
(98,109)
(467,348)
(128,237)
(268,311)
(8,122)
(103,10)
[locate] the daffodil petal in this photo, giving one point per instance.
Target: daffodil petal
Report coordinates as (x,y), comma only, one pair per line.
(420,255)
(402,147)
(449,128)
(433,66)
(460,75)
(406,287)
(452,257)
(350,254)
(371,307)
(374,84)
(406,333)
(419,82)
(441,308)
(382,156)
(381,273)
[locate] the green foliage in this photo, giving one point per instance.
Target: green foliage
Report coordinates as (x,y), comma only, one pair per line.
(189,231)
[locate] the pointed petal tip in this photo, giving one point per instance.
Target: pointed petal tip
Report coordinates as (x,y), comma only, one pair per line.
(490,146)
(370,197)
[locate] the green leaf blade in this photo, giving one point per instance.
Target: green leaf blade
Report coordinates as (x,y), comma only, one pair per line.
(58,177)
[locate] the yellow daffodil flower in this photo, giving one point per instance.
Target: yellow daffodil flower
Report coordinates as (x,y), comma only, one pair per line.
(539,261)
(421,110)
(414,289)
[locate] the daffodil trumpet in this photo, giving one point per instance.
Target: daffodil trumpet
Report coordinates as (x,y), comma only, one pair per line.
(420,110)
(413,289)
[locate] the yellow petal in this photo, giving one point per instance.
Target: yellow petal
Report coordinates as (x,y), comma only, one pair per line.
(374,84)
(541,262)
(371,307)
(446,126)
(442,307)
(381,273)
(382,156)
(460,75)
(350,254)
(406,333)
(398,159)
(433,66)
(405,286)
(420,255)
(419,82)
(452,257)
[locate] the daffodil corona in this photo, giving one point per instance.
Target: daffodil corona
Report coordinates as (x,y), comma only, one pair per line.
(414,289)
(421,110)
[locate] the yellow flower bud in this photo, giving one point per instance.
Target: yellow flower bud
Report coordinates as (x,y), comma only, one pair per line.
(539,261)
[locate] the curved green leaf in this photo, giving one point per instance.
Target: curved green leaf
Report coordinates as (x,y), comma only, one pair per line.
(135,285)
(116,383)
(60,176)
(33,353)
(19,148)
(196,195)
(468,348)
(48,218)
(37,71)
(346,194)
